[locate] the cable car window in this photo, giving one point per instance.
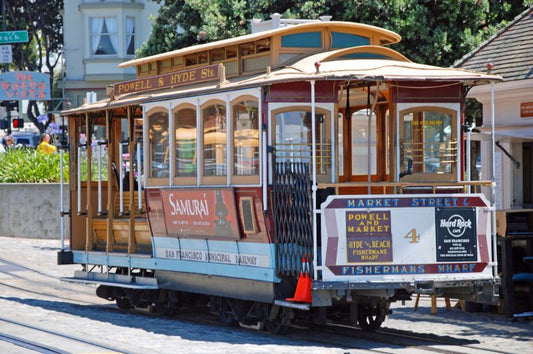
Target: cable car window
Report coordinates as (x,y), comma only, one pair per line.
(245,139)
(428,144)
(360,136)
(158,144)
(215,140)
(98,134)
(186,164)
(293,138)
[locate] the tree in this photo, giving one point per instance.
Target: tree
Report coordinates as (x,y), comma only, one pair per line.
(434,31)
(44,22)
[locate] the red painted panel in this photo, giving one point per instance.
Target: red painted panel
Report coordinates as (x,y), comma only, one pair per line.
(155,211)
(431,91)
(200,213)
(325,91)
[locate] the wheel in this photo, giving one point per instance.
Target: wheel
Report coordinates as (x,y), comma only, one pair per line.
(371,316)
(123,303)
(225,313)
(279,325)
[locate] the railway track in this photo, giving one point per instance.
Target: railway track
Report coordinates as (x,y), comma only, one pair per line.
(45,340)
(28,286)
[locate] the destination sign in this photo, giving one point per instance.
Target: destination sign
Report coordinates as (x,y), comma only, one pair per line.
(175,79)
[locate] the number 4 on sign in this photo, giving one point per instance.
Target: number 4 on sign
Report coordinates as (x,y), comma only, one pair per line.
(413,236)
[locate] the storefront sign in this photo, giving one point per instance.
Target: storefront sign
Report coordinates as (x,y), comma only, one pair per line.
(526,110)
(24,85)
(200,212)
(180,78)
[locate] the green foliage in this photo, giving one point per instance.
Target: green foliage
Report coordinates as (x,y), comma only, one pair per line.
(43,20)
(31,166)
(434,32)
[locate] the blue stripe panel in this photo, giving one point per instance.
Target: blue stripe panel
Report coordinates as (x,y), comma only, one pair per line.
(302,40)
(264,250)
(346,40)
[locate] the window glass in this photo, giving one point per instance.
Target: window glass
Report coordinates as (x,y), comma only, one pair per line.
(427,145)
(302,40)
(185,142)
(215,140)
(245,139)
(103,35)
(293,138)
(360,136)
(158,144)
(345,40)
(98,153)
(130,35)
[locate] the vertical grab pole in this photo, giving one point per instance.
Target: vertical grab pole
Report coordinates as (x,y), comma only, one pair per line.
(61,200)
(139,175)
(468,162)
(99,178)
(88,227)
(314,186)
(121,179)
(493,167)
(79,179)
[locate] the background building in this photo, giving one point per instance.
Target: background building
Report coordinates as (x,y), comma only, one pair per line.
(99,35)
(510,52)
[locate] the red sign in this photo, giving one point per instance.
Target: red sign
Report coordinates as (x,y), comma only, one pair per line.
(200,212)
(526,110)
(180,78)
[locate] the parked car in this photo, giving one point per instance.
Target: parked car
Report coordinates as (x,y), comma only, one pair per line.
(30,139)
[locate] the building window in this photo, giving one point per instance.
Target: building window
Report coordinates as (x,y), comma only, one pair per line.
(103,35)
(130,35)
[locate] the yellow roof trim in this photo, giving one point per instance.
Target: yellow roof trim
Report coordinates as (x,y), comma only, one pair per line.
(370,49)
(382,34)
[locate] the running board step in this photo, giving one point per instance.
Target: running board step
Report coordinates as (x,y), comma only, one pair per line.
(294,305)
(111,279)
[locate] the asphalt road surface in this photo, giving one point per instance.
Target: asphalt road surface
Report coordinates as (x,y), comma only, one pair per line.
(38,313)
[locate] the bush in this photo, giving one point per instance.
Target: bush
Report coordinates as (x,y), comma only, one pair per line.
(30,166)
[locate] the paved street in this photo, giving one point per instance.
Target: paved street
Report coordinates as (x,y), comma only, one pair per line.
(31,294)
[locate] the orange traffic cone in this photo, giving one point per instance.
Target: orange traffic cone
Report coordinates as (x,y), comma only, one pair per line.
(303,289)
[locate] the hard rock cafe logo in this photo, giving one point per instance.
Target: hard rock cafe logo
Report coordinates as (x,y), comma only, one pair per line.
(456,225)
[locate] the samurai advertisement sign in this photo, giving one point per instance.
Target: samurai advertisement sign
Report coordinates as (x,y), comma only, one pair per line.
(405,236)
(200,212)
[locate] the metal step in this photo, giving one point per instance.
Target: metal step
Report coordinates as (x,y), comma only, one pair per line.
(111,279)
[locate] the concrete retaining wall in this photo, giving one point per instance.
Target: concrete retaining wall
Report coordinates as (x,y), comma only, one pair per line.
(32,210)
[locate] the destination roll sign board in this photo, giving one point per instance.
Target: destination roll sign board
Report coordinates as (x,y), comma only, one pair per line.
(175,79)
(406,237)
